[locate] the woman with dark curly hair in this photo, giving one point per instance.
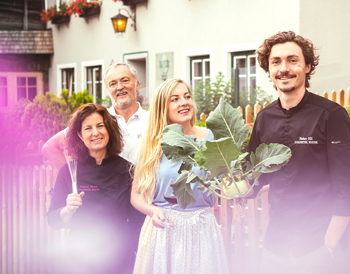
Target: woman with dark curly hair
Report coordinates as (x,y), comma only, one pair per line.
(100,238)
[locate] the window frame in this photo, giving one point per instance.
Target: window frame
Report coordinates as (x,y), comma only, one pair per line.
(83,78)
(12,98)
(26,86)
(94,82)
(7,92)
(195,59)
(246,55)
(61,67)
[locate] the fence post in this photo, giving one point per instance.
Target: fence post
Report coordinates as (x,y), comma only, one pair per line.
(348,104)
(253,235)
(334,96)
(203,117)
(239,234)
(22,220)
(240,110)
(341,97)
(14,184)
(248,114)
(325,94)
(257,108)
(265,104)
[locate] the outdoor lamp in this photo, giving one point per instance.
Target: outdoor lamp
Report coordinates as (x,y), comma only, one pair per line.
(119,21)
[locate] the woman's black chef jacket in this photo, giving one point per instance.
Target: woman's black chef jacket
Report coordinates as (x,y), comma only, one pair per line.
(104,231)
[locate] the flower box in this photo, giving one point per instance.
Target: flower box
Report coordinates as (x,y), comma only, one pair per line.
(91,11)
(60,19)
(132,2)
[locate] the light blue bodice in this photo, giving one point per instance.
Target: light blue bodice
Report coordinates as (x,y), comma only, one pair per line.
(169,171)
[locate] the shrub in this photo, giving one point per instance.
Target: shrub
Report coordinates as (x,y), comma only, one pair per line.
(208,94)
(49,114)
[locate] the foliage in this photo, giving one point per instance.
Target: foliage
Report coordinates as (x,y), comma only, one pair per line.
(221,157)
(76,99)
(254,96)
(201,123)
(45,116)
(76,7)
(80,6)
(54,12)
(107,102)
(12,130)
(143,101)
(207,95)
(348,110)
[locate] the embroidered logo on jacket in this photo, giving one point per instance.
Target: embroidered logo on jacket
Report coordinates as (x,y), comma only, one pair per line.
(88,188)
(306,141)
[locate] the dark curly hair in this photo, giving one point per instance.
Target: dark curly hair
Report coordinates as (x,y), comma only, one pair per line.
(309,51)
(76,147)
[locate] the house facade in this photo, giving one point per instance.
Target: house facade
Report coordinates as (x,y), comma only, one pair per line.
(26,47)
(195,40)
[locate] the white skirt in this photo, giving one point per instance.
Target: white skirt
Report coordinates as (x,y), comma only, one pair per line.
(193,245)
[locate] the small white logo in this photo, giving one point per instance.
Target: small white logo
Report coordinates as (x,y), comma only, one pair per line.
(336,142)
(306,141)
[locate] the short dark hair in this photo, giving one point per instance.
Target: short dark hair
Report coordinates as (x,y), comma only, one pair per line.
(309,51)
(76,147)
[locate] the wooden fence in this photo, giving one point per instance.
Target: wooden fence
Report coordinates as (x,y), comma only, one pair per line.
(30,246)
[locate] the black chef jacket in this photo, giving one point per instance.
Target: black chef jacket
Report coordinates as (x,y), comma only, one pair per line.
(315,184)
(104,231)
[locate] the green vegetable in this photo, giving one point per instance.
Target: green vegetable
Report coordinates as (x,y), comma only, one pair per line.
(220,158)
(236,189)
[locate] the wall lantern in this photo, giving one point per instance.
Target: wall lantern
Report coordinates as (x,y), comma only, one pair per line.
(119,21)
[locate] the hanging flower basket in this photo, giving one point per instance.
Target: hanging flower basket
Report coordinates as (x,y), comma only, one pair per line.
(60,19)
(91,11)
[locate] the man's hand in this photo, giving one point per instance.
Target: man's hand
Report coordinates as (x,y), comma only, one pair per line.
(53,150)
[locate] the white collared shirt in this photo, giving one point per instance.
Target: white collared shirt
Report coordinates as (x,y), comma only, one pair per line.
(132,131)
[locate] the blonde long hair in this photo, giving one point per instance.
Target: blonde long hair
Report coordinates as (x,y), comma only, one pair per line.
(151,151)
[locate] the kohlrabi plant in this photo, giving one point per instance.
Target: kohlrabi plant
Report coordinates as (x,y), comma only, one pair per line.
(221,158)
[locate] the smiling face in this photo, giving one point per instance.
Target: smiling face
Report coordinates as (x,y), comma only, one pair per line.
(287,67)
(180,110)
(122,87)
(94,134)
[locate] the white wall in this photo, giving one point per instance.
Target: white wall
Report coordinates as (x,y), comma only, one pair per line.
(181,27)
(327,25)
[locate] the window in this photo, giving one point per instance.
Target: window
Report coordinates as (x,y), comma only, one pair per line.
(200,69)
(246,62)
(3,92)
(26,88)
(68,79)
(94,82)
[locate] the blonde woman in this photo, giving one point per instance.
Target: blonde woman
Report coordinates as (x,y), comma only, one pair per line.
(192,243)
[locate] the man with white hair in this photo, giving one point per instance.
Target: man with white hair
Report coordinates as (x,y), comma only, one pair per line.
(122,84)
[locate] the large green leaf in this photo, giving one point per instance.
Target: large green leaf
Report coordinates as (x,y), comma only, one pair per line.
(226,121)
(177,146)
(182,188)
(173,153)
(269,158)
(219,155)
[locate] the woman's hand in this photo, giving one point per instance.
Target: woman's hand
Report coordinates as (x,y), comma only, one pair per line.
(73,202)
(158,218)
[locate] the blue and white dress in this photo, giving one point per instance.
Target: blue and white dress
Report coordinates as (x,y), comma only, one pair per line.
(195,243)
